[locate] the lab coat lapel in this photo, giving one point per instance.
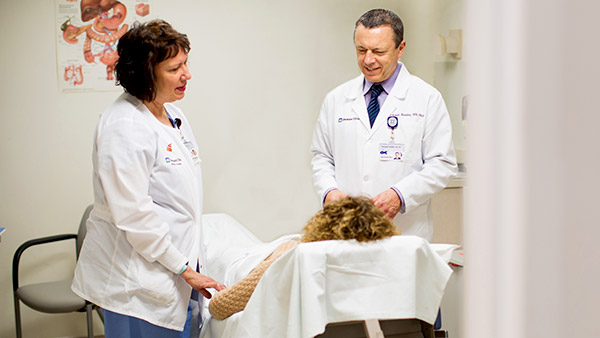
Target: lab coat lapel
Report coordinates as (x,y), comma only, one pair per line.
(169,134)
(394,99)
(359,107)
(385,111)
(175,135)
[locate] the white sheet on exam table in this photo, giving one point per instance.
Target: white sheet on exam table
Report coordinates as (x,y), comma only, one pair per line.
(409,286)
(232,251)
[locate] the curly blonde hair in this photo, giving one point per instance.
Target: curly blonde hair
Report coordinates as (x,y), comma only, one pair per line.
(349,218)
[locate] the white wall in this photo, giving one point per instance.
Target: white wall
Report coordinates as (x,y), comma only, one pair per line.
(260,70)
(448,72)
(532,227)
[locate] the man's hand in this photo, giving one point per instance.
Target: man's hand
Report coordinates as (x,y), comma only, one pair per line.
(389,202)
(201,282)
(334,195)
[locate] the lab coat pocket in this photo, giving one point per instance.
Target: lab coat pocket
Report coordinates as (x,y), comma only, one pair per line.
(150,281)
(410,133)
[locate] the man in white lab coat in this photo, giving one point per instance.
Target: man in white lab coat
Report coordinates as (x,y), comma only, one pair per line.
(385,134)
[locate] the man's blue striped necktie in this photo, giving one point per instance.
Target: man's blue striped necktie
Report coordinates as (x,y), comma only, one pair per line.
(373,108)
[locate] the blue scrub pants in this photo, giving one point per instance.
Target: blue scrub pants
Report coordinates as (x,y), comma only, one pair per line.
(122,326)
(438,321)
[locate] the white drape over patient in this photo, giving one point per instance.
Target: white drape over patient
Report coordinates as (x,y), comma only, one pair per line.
(321,282)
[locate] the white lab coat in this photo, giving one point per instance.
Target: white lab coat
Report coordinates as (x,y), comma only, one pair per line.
(146,220)
(346,150)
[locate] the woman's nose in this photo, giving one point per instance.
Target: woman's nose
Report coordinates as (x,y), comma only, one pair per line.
(186,73)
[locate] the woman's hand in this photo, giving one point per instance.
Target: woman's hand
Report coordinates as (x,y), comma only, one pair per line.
(201,282)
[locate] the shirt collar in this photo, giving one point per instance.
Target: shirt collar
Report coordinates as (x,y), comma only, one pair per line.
(387,84)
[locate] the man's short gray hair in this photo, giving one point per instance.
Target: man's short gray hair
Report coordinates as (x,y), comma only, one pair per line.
(379,17)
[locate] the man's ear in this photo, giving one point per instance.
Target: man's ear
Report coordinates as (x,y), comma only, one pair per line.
(401,47)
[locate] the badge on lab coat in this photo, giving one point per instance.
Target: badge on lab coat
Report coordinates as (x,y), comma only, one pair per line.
(391,151)
(190,146)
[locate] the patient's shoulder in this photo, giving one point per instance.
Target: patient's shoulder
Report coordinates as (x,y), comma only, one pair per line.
(281,249)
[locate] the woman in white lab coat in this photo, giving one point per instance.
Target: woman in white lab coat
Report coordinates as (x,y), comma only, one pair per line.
(143,249)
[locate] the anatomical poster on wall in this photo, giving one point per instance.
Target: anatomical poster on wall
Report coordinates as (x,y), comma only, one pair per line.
(87,34)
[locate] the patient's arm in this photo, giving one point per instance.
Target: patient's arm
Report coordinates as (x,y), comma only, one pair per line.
(234,299)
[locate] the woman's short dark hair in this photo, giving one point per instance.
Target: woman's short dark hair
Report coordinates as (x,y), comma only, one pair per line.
(143,47)
(379,17)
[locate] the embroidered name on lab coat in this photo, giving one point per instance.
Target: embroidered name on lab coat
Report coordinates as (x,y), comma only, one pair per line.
(411,115)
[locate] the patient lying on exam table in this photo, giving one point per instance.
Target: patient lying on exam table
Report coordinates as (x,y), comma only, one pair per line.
(348,218)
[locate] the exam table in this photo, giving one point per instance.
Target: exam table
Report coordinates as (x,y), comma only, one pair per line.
(328,288)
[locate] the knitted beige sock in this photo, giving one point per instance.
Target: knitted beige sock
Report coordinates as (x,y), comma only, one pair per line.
(234,299)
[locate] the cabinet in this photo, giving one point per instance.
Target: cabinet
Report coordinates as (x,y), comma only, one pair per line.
(448,228)
(447,208)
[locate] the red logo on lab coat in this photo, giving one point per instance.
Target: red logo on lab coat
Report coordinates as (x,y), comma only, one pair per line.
(169,147)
